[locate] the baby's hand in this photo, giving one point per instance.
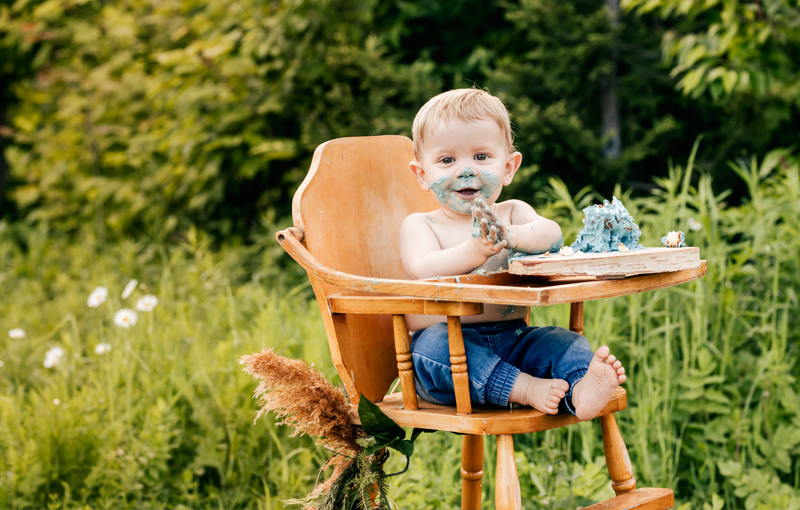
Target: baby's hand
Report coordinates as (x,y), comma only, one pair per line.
(489,235)
(486,221)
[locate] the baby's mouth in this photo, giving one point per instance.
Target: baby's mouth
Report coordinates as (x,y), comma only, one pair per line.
(467,192)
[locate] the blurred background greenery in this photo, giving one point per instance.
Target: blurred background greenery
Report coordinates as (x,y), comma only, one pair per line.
(163,140)
(145,117)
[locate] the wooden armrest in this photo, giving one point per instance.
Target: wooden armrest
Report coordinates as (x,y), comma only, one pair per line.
(401,305)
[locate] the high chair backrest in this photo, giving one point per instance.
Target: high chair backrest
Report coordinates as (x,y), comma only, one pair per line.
(350,207)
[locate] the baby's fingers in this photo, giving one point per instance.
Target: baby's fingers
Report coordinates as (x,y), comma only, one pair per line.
(485,230)
(487,211)
(493,235)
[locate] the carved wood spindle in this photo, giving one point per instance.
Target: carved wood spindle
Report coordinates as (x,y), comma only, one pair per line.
(576,317)
(458,365)
(405,367)
(619,464)
(471,472)
(506,494)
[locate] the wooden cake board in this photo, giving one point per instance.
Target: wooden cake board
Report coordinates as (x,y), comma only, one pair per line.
(607,265)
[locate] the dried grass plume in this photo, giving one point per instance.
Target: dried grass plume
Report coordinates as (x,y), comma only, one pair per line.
(303,399)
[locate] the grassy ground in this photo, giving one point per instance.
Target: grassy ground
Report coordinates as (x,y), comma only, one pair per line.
(165,419)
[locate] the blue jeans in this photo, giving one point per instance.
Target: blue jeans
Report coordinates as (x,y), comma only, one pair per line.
(496,353)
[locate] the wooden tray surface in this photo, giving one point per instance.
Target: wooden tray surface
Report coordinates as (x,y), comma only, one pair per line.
(608,264)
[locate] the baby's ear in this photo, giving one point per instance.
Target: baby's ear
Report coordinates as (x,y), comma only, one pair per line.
(419,173)
(512,165)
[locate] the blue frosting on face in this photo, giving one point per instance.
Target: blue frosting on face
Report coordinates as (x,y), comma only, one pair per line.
(605,227)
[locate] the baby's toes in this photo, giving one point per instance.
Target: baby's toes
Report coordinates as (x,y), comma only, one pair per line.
(602,352)
(617,364)
(559,384)
(623,378)
(611,359)
(621,371)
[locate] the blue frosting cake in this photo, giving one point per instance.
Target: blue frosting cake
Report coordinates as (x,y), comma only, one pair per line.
(606,226)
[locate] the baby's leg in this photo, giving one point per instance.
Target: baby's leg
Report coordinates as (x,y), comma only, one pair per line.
(542,394)
(590,394)
(490,378)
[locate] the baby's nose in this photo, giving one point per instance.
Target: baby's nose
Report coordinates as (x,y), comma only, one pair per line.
(467,172)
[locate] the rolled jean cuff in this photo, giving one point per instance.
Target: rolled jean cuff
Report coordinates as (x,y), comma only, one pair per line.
(498,387)
(573,379)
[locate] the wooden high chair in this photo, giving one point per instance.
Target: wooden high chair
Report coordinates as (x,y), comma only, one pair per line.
(347,215)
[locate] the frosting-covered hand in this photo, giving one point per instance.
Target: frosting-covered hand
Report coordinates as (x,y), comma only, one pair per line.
(490,235)
(482,213)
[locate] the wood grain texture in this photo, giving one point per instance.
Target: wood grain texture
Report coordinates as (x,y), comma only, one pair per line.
(533,292)
(640,499)
(645,261)
(458,365)
(354,187)
(576,317)
(395,305)
(405,367)
(471,472)
(507,495)
(617,459)
(484,420)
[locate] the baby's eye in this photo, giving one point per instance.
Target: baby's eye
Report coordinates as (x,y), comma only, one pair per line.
(447,160)
(481,157)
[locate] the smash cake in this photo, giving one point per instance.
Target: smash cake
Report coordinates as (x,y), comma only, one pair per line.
(607,227)
(608,248)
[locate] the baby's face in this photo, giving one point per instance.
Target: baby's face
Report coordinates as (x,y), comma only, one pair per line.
(461,162)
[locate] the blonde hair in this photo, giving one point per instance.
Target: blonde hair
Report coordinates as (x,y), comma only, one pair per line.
(465,105)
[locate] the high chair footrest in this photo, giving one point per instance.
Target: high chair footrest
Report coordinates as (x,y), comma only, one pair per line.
(640,499)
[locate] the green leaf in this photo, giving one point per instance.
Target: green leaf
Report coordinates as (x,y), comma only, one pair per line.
(405,447)
(377,424)
(417,431)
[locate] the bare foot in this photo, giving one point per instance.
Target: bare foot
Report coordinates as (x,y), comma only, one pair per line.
(590,394)
(541,394)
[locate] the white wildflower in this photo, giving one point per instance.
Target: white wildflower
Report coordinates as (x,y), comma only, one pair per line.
(566,251)
(126,293)
(53,357)
(622,248)
(2,364)
(146,303)
(102,348)
(16,333)
(97,297)
(125,318)
(56,402)
(694,224)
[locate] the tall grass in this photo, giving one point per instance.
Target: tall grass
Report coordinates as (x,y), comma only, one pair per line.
(166,418)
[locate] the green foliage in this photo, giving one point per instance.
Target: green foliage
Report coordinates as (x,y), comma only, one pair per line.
(385,432)
(128,118)
(731,47)
(149,117)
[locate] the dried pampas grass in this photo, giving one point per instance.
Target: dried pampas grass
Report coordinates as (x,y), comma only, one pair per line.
(303,399)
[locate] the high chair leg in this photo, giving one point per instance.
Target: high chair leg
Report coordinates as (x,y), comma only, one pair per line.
(471,472)
(506,494)
(619,464)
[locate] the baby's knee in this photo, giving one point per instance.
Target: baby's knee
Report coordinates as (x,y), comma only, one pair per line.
(432,344)
(569,339)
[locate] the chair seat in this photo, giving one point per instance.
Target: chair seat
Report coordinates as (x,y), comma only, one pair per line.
(640,499)
(483,420)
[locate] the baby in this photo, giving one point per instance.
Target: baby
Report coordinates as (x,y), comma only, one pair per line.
(465,155)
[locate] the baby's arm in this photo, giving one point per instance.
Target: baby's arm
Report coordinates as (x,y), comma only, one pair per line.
(423,257)
(528,232)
